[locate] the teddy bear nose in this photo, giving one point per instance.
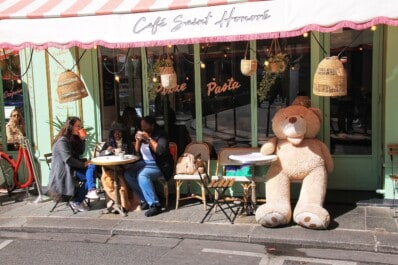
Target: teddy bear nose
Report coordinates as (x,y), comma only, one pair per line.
(292,119)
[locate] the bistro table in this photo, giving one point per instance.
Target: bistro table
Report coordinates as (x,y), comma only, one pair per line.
(113,161)
(253,159)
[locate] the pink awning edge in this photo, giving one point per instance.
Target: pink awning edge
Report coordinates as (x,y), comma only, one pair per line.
(222,23)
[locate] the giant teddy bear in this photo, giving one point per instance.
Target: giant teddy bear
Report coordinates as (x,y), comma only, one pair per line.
(300,158)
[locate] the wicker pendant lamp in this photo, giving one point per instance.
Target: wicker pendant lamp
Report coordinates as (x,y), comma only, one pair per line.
(168,77)
(248,67)
(70,87)
(330,78)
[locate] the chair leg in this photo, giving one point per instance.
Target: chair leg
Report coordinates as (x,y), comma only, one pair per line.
(166,193)
(178,190)
(204,197)
(55,205)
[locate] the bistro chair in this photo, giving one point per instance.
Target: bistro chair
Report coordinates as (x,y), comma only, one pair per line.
(196,148)
(248,183)
(216,189)
(393,151)
(165,183)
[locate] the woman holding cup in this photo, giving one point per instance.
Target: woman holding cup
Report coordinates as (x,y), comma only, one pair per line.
(67,165)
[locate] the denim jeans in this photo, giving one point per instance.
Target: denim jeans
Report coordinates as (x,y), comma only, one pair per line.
(140,177)
(87,176)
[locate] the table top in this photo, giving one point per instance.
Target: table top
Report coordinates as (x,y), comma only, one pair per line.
(114,160)
(255,158)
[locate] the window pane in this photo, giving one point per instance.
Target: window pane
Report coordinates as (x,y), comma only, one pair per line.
(121,84)
(350,125)
(13,99)
(279,87)
(225,95)
(173,106)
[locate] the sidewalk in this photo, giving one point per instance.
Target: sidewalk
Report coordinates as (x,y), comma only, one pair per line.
(365,228)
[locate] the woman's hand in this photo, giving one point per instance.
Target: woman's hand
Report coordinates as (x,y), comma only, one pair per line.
(87,162)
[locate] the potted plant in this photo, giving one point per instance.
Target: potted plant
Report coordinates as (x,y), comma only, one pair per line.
(277,63)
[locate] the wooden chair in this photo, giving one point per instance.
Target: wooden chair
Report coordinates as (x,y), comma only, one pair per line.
(393,151)
(218,187)
(247,183)
(194,148)
(165,183)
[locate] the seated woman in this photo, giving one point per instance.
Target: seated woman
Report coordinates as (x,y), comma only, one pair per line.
(15,129)
(118,141)
(68,166)
(153,146)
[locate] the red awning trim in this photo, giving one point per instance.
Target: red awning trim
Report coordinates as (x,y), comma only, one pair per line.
(244,21)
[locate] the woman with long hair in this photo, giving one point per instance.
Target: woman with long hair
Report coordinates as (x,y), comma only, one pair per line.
(15,129)
(68,166)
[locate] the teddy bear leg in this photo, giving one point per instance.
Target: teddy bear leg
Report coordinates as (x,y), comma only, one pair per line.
(277,210)
(309,211)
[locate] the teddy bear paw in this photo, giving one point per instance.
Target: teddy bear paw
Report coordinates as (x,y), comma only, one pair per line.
(272,219)
(311,220)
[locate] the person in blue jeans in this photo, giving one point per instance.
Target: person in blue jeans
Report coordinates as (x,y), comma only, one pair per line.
(67,164)
(152,145)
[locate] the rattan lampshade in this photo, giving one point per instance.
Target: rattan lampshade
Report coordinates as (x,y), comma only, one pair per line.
(330,78)
(70,87)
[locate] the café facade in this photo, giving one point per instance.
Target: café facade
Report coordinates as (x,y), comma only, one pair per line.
(119,48)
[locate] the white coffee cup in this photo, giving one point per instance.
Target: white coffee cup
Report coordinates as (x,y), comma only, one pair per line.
(121,155)
(117,151)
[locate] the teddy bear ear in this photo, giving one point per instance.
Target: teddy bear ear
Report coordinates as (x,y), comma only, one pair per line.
(317,112)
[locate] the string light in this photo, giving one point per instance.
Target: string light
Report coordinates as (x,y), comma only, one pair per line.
(202,65)
(373,28)
(305,34)
(117,78)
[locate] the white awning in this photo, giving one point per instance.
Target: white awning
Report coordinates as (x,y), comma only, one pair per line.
(41,24)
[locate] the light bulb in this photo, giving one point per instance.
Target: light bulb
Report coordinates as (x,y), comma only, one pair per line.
(117,78)
(373,28)
(266,63)
(305,34)
(155,79)
(202,65)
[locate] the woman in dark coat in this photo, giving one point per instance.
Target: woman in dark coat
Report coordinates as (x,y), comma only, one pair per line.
(67,165)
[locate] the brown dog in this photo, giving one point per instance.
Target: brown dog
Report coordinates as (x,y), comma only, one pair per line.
(128,199)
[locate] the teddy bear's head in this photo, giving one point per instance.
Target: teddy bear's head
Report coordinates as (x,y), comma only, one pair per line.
(296,122)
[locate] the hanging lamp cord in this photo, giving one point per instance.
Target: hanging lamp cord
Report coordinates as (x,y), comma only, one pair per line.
(121,69)
(9,68)
(55,59)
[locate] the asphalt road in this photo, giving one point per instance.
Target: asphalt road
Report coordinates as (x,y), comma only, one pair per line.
(70,248)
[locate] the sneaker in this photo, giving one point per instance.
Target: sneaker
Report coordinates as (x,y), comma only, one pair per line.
(144,206)
(154,210)
(79,207)
(92,194)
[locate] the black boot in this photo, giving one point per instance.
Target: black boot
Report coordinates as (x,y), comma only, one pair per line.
(155,209)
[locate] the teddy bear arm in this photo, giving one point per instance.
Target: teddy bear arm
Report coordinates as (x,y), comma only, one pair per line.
(269,147)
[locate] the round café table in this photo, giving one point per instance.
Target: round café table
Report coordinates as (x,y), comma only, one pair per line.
(253,159)
(113,161)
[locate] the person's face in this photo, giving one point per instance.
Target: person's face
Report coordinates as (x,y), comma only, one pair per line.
(117,134)
(146,127)
(76,127)
(16,116)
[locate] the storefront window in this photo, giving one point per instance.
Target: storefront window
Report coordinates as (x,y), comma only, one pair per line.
(350,124)
(173,107)
(278,86)
(12,97)
(225,95)
(121,84)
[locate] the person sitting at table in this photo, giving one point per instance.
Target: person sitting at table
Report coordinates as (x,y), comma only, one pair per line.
(67,165)
(152,144)
(15,129)
(118,140)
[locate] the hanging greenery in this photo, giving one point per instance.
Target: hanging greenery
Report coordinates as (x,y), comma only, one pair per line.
(154,76)
(274,66)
